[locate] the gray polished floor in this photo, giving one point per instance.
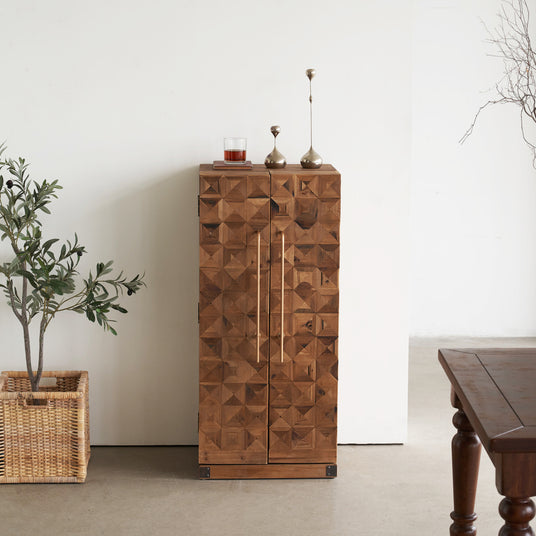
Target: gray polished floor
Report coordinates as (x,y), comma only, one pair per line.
(393,490)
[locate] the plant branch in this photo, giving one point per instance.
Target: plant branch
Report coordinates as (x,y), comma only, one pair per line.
(12,300)
(26,334)
(512,42)
(42,328)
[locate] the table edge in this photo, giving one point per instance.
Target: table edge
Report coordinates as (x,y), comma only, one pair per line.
(507,435)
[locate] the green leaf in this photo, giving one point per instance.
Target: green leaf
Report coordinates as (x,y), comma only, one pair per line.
(29,276)
(48,244)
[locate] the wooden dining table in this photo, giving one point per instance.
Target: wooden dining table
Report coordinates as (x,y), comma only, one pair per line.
(494,392)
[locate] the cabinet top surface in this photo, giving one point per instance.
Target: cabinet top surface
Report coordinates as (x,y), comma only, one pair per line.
(258,168)
(496,388)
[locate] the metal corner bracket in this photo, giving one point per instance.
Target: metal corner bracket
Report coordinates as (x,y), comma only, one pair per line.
(331,470)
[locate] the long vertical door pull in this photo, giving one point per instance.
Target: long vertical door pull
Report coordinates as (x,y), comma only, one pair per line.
(282,292)
(258,296)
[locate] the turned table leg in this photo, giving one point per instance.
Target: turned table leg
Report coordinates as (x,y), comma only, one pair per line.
(517,514)
(465,463)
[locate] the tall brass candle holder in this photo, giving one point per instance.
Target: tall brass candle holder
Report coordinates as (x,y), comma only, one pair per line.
(311,159)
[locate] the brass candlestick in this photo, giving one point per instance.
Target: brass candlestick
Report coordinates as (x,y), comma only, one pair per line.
(275,160)
(311,159)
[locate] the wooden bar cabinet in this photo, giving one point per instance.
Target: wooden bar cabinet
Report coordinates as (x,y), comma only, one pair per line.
(268,322)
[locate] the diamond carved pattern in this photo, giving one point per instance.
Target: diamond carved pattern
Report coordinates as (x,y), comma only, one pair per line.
(233,395)
(303,389)
(270,411)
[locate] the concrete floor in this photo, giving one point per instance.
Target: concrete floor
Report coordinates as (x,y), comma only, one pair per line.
(393,490)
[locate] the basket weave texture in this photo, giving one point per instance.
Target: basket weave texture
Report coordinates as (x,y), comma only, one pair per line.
(49,442)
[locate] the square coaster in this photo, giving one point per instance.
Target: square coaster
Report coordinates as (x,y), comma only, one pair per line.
(220,164)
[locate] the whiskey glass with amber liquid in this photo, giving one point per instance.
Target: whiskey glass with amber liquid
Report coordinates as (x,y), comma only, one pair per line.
(234,150)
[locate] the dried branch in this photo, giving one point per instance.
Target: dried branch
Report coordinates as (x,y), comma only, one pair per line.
(512,43)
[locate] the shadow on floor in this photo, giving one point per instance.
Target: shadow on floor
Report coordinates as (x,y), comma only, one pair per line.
(129,462)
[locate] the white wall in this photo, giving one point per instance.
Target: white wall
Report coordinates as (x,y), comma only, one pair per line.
(473,205)
(122,100)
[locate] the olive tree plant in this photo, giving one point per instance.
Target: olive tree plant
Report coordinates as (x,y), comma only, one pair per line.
(39,279)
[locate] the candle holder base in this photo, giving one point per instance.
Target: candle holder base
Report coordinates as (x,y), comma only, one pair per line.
(311,160)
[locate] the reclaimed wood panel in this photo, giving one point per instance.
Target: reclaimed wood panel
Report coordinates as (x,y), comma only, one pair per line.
(305,212)
(287,470)
(234,209)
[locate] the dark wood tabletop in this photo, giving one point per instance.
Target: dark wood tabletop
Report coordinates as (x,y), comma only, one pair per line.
(494,391)
(497,388)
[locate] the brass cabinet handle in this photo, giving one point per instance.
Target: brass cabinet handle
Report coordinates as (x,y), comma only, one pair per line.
(282,292)
(258,296)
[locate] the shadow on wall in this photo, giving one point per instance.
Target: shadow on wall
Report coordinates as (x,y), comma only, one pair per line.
(155,354)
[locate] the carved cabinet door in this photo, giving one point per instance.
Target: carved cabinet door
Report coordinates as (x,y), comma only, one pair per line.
(234,212)
(305,213)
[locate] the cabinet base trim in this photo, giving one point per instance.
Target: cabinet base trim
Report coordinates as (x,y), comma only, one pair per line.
(273,470)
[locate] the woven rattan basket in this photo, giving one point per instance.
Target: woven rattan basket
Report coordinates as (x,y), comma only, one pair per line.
(46,443)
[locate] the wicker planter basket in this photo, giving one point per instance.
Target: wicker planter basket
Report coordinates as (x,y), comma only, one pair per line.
(46,443)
